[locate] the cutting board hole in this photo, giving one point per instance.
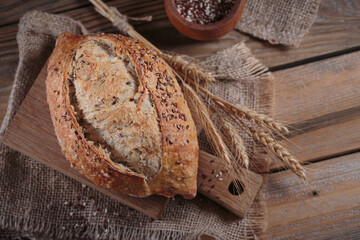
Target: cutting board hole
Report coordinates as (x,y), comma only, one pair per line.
(236,188)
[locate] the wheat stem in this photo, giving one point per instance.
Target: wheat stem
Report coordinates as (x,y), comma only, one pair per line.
(210,129)
(235,141)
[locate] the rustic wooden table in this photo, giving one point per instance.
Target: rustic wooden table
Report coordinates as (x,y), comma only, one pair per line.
(317,93)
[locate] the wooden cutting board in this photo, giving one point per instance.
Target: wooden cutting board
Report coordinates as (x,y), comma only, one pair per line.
(31,132)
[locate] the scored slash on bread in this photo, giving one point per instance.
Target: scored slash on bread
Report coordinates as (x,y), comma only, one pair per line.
(120,116)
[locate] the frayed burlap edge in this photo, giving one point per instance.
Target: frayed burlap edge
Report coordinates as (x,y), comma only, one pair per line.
(298,39)
(45,230)
(276,37)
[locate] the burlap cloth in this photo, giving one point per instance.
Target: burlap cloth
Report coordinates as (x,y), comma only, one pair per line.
(39,202)
(279,21)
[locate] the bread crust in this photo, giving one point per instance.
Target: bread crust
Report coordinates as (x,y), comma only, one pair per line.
(179,162)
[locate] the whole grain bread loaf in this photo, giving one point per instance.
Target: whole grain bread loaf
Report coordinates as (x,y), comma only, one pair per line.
(120,116)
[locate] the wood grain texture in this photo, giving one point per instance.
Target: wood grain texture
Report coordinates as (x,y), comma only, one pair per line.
(327,209)
(336,28)
(12,10)
(321,103)
(214,182)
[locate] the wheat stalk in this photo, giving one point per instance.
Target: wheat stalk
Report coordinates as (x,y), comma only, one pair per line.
(210,129)
(215,137)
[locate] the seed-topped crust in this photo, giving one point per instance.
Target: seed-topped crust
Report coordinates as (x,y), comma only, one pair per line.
(178,161)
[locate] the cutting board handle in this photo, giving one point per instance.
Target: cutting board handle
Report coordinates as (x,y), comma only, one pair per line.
(214,182)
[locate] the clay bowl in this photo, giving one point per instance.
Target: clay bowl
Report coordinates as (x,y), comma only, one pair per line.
(207,31)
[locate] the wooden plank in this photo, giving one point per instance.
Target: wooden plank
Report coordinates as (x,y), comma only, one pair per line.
(336,28)
(327,209)
(268,54)
(321,102)
(12,10)
(309,91)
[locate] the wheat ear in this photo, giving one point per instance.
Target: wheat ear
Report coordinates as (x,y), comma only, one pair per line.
(282,153)
(235,141)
